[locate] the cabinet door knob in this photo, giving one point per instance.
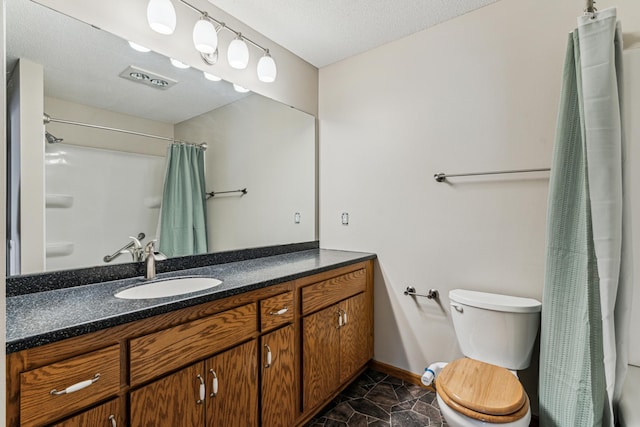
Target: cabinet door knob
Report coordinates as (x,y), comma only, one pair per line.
(75,387)
(344,317)
(214,384)
(201,390)
(339,319)
(112,418)
(268,364)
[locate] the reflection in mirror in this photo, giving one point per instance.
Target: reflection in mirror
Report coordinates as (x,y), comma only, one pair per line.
(79,194)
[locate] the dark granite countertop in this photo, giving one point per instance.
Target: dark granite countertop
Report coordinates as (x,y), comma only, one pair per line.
(44,317)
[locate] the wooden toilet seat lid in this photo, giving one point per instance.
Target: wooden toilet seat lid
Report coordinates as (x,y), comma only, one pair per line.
(482,391)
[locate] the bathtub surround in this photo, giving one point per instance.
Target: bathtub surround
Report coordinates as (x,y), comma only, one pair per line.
(587,287)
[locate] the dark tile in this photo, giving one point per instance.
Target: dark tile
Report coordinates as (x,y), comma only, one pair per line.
(375,375)
(416,390)
(409,419)
(377,423)
(369,408)
(383,394)
(428,411)
(355,390)
(341,412)
(430,398)
(393,380)
(357,420)
(332,423)
(404,406)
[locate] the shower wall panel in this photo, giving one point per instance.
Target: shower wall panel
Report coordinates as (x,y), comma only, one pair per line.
(96,199)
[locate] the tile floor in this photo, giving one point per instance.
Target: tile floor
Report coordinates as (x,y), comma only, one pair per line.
(377,400)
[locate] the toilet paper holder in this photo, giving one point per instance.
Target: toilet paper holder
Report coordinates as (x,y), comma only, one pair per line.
(411,291)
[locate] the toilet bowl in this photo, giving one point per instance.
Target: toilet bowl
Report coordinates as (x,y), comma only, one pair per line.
(473,393)
(496,333)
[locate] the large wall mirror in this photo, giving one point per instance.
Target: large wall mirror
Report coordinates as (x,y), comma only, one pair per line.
(77,193)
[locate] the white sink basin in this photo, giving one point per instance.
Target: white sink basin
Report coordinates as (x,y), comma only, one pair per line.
(168,288)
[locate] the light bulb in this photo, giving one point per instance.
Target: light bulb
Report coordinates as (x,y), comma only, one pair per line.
(161,16)
(138,47)
(267,70)
(240,89)
(205,37)
(238,53)
(211,77)
(178,64)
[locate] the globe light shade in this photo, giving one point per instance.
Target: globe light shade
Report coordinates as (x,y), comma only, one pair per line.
(161,16)
(240,89)
(238,54)
(179,64)
(139,47)
(211,77)
(205,38)
(267,70)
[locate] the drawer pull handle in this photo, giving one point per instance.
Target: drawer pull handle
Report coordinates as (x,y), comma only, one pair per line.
(279,312)
(214,385)
(112,418)
(344,317)
(340,321)
(75,387)
(201,390)
(268,364)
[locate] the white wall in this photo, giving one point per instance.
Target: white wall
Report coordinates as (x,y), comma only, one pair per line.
(297,82)
(268,148)
(478,93)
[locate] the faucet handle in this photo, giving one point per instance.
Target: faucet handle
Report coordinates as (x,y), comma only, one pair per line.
(136,242)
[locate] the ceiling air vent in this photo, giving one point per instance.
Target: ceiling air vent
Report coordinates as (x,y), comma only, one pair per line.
(148,78)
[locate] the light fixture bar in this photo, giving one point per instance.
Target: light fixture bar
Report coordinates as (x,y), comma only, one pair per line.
(222,24)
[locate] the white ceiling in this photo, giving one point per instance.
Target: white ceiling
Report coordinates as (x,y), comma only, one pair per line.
(326,31)
(82,64)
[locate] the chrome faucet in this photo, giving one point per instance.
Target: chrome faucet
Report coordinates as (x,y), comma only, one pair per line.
(150,258)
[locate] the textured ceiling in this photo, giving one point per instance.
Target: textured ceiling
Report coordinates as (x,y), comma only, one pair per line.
(82,64)
(326,31)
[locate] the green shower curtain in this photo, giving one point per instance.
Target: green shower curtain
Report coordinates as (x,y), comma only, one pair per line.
(582,338)
(182,228)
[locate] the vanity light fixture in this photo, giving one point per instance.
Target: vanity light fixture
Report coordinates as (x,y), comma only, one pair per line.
(267,70)
(211,77)
(240,89)
(238,53)
(179,64)
(138,47)
(161,17)
(205,36)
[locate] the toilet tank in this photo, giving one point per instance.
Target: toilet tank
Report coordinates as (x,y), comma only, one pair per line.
(494,328)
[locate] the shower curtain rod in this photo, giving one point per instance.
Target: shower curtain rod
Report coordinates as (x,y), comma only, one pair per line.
(48,119)
(441,177)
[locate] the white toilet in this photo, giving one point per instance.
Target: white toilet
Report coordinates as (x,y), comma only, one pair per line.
(496,333)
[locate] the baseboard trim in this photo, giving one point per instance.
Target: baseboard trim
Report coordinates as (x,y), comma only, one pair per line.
(407,376)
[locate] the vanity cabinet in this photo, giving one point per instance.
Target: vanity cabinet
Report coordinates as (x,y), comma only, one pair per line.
(221,391)
(105,415)
(267,357)
(337,340)
(278,389)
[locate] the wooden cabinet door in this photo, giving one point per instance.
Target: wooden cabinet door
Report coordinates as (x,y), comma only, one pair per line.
(356,338)
(105,415)
(320,356)
(278,378)
(235,401)
(173,401)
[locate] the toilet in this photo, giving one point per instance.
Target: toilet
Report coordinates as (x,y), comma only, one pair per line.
(496,333)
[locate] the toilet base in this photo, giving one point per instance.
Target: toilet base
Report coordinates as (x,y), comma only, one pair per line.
(455,419)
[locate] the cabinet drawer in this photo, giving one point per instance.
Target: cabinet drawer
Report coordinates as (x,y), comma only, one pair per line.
(39,406)
(161,352)
(107,414)
(276,311)
(323,294)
